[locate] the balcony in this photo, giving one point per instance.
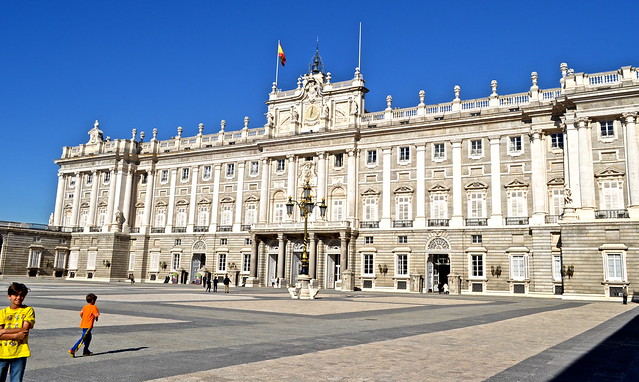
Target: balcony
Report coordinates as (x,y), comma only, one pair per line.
(134,229)
(611,214)
(477,222)
(402,223)
(517,221)
(95,229)
(552,219)
(438,222)
(201,228)
(77,229)
(224,228)
(157,229)
(369,224)
(178,229)
(245,227)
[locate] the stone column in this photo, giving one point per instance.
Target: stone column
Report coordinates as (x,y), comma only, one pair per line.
(59,199)
(312,256)
(571,166)
(632,164)
(457,220)
(111,200)
(280,256)
(538,165)
(171,208)
(148,200)
(351,215)
(385,222)
(118,189)
(496,216)
(193,200)
(76,199)
(290,184)
(126,207)
(263,218)
(321,175)
(255,247)
(237,225)
(343,253)
(586,171)
(216,197)
(93,204)
(420,187)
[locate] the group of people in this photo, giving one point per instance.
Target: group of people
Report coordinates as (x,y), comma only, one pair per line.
(206,281)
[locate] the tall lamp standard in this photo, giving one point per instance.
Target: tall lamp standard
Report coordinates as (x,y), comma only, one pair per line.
(306,206)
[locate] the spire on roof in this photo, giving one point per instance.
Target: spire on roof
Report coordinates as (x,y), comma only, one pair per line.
(316,65)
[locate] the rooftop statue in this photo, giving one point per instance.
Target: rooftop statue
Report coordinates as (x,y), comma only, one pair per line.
(95,134)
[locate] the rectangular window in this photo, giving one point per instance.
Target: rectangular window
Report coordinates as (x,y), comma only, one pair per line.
(338,210)
(439,151)
(518,269)
(611,195)
(246,263)
(72,181)
(206,173)
(370,209)
(517,204)
(185,174)
(73,259)
(371,157)
(476,205)
(226,217)
(164,176)
(175,263)
(255,168)
(224,241)
(107,177)
(132,261)
(614,267)
(556,268)
(607,129)
(221,262)
(279,210)
(556,201)
(368,264)
(180,217)
(402,265)
(154,266)
(250,214)
(368,240)
(477,239)
(178,242)
(230,170)
(203,216)
(248,241)
(339,160)
(403,208)
(515,145)
(34,258)
(144,178)
(402,239)
(59,259)
(404,154)
(477,264)
(439,207)
(160,217)
(91,259)
(280,165)
(89,179)
(557,141)
(476,148)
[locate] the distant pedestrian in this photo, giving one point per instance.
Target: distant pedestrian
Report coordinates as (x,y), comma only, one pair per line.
(215,281)
(88,315)
(227,282)
(624,295)
(446,288)
(15,320)
(208,284)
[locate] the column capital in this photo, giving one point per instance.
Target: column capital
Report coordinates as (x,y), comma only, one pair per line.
(495,139)
(290,157)
(456,143)
(321,154)
(583,121)
(266,160)
(351,151)
(535,133)
(630,117)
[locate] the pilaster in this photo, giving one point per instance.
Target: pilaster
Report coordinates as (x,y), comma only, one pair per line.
(385,222)
(457,219)
(496,216)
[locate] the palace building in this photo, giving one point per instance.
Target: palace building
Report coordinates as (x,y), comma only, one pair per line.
(535,193)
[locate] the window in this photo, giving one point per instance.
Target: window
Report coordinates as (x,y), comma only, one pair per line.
(175,263)
(89,179)
(224,241)
(226,217)
(556,268)
(402,239)
(370,209)
(337,210)
(91,259)
(515,145)
(439,206)
(72,181)
(107,177)
(154,266)
(246,263)
(614,267)
(255,168)
(206,173)
(476,205)
(368,264)
(37,239)
(476,148)
(279,210)
(164,176)
(203,216)
(371,157)
(73,259)
(230,170)
(178,242)
(517,204)
(611,195)
(439,151)
(160,216)
(404,154)
(101,216)
(518,267)
(557,141)
(607,129)
(250,215)
(339,160)
(402,265)
(59,259)
(556,201)
(185,174)
(34,258)
(368,240)
(180,217)
(404,208)
(476,239)
(84,217)
(248,241)
(280,165)
(145,178)
(221,262)
(132,261)
(477,265)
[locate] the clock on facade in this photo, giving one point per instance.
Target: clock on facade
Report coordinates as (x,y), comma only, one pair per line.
(311,113)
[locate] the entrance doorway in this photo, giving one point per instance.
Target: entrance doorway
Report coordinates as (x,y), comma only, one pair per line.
(198,261)
(332,270)
(272,269)
(296,264)
(440,264)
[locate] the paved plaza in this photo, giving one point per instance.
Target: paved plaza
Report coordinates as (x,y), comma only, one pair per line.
(164,332)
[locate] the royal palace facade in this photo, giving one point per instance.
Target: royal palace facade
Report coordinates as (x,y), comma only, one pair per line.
(535,193)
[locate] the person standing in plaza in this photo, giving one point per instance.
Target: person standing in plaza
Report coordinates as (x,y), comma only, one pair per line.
(227,283)
(15,320)
(215,281)
(88,315)
(208,284)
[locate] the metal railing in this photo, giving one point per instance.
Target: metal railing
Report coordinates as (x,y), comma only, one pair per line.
(476,222)
(245,227)
(224,228)
(517,221)
(201,228)
(178,229)
(402,223)
(611,214)
(158,229)
(369,224)
(438,222)
(552,219)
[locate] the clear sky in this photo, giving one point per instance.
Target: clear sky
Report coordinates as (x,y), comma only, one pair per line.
(148,64)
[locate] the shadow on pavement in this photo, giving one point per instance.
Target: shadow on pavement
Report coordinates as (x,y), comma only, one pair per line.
(120,350)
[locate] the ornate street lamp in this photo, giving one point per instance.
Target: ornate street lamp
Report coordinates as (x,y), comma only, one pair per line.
(306,206)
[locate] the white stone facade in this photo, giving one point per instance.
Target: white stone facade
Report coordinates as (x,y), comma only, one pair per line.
(534,193)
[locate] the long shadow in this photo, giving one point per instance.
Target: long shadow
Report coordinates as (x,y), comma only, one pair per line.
(120,350)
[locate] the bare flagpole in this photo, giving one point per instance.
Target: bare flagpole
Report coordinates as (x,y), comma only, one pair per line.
(359,53)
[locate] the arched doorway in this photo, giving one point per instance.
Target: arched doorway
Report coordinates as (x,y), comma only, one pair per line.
(198,260)
(332,264)
(438,264)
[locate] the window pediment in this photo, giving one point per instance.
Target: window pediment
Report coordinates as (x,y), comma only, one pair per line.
(403,190)
(227,200)
(204,201)
(556,182)
(182,202)
(476,186)
(517,183)
(610,173)
(439,188)
(370,192)
(252,199)
(139,205)
(161,203)
(84,205)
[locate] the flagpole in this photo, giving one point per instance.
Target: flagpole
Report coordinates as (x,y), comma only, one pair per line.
(359,53)
(277,63)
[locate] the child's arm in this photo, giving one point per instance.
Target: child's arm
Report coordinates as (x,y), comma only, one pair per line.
(13,334)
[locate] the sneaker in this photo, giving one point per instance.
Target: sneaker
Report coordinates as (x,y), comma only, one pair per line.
(86,354)
(71,353)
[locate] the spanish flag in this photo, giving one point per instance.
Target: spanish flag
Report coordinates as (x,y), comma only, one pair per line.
(280,54)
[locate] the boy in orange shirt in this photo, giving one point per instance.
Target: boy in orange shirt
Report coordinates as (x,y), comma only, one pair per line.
(16,320)
(88,315)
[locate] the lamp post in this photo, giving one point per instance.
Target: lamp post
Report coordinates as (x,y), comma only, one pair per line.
(306,206)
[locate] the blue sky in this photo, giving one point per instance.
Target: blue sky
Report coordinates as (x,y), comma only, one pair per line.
(162,64)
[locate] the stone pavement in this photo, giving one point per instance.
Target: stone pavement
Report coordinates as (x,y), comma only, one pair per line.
(166,332)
